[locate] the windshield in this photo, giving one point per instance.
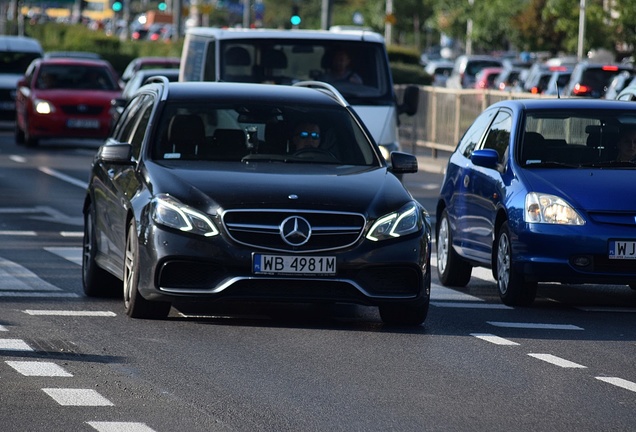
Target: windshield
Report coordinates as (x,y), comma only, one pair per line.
(579,138)
(359,70)
(13,62)
(261,132)
(75,77)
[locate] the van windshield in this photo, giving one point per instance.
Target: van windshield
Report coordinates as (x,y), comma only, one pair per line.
(15,62)
(359,70)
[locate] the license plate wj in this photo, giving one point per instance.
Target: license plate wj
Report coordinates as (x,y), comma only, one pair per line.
(293,265)
(622,249)
(83,123)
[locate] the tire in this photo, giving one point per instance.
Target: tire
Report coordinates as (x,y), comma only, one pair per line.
(96,281)
(134,304)
(513,289)
(452,270)
(405,314)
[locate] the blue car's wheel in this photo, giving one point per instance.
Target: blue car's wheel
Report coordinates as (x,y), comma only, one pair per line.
(452,270)
(514,290)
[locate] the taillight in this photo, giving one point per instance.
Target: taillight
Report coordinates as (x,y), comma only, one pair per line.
(610,68)
(534,90)
(580,89)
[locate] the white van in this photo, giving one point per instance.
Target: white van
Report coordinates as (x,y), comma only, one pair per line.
(16,53)
(290,56)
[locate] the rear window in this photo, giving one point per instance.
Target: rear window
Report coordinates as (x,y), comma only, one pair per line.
(473,67)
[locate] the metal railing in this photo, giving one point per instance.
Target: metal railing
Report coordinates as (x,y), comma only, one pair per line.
(443,116)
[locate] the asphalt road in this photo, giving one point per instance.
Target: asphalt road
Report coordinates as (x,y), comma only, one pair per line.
(68,362)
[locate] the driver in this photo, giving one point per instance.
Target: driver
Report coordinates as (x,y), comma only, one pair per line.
(306,136)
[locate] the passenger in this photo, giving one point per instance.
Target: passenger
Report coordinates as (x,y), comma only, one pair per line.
(627,146)
(341,69)
(306,135)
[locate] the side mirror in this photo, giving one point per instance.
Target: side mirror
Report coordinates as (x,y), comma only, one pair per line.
(487,158)
(410,101)
(117,153)
(403,163)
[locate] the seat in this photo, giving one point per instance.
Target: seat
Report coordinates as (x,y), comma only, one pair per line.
(534,148)
(274,59)
(186,135)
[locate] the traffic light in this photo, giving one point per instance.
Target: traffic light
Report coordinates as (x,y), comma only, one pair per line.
(295,16)
(116,6)
(162,6)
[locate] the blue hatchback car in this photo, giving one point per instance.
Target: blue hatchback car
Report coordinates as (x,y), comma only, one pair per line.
(541,191)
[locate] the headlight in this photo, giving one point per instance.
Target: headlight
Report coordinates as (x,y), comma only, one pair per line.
(170,212)
(405,221)
(550,209)
(43,107)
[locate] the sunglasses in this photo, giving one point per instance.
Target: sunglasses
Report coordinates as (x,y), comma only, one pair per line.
(313,135)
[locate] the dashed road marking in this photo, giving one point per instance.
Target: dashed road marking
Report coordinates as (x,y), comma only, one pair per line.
(38,368)
(18,233)
(558,361)
(493,339)
(14,345)
(535,326)
(3,328)
(619,382)
(120,426)
(441,293)
(77,397)
(70,313)
(15,277)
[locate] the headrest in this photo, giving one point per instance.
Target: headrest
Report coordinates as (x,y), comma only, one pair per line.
(274,59)
(237,56)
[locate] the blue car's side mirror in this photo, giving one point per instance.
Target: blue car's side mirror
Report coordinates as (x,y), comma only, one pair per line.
(487,158)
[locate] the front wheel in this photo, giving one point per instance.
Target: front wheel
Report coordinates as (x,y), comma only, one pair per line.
(452,270)
(513,289)
(134,304)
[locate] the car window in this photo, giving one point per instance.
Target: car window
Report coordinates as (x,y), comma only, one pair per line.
(473,135)
(140,130)
(130,116)
(498,137)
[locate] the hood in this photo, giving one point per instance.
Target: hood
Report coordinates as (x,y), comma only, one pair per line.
(371,191)
(380,120)
(589,189)
(76,97)
(9,81)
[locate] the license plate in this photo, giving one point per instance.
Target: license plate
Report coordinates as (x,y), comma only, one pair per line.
(294,265)
(622,249)
(83,123)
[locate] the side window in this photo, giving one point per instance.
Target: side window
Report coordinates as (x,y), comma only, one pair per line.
(209,71)
(140,130)
(498,137)
(474,133)
(130,118)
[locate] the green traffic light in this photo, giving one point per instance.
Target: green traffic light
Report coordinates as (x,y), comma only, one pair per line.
(117,6)
(162,6)
(295,20)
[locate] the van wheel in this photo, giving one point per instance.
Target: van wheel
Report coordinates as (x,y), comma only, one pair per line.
(513,289)
(452,270)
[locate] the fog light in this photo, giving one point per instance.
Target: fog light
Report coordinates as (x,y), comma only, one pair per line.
(582,261)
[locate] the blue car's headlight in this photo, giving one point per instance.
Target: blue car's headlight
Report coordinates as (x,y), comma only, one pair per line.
(405,221)
(170,212)
(550,209)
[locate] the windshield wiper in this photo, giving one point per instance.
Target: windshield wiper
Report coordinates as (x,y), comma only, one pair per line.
(605,164)
(550,164)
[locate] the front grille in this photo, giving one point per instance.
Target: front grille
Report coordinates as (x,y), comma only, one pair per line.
(82,109)
(262,229)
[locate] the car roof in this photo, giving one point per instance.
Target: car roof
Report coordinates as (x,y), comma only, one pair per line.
(73,61)
(565,103)
(20,44)
(246,93)
(242,33)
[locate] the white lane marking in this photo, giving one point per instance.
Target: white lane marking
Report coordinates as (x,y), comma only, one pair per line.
(535,326)
(14,277)
(77,397)
(70,313)
(72,233)
(72,254)
(18,233)
(3,328)
(493,339)
(38,368)
(37,294)
(558,361)
(14,345)
(473,305)
(18,158)
(120,427)
(439,292)
(64,177)
(619,382)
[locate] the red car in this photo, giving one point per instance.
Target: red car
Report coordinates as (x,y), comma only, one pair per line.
(65,98)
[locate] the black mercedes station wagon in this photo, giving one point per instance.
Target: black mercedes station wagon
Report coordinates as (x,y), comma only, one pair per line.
(209,192)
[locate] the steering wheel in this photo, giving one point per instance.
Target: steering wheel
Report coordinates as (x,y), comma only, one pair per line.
(311,152)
